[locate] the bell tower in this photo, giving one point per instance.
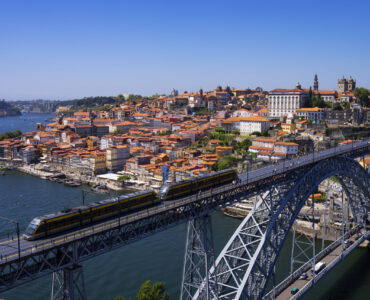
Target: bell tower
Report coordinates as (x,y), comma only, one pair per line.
(316,84)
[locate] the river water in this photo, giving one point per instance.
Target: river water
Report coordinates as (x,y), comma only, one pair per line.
(157,258)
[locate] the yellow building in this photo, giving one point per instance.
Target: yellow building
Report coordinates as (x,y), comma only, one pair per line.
(288,127)
(98,163)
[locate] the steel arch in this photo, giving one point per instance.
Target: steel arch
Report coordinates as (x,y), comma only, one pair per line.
(246,275)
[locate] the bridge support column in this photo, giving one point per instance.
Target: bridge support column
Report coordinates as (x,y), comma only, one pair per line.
(68,284)
(199,258)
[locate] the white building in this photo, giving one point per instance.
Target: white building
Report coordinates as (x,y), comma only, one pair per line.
(327,96)
(314,114)
(253,124)
(243,113)
(281,102)
(286,148)
(269,149)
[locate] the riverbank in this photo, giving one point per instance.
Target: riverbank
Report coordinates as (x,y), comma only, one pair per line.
(45,172)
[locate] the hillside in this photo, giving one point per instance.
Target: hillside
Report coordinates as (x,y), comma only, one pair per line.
(6,109)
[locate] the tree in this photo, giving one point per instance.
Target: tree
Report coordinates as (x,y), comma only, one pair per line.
(346,105)
(363,95)
(152,292)
(317,101)
(337,106)
(225,162)
(310,97)
(256,133)
(219,130)
(166,132)
(117,132)
(228,90)
(123,178)
(265,133)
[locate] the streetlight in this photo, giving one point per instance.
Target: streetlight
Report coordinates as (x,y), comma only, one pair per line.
(17,228)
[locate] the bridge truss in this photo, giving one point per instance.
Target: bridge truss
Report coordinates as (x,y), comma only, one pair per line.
(246,264)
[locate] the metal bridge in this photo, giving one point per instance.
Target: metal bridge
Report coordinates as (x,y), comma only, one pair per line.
(245,265)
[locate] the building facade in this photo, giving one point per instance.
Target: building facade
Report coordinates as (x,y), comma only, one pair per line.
(346,85)
(281,102)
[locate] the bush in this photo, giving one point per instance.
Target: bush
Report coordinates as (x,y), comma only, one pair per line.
(256,133)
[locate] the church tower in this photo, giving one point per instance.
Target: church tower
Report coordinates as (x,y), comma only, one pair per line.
(316,84)
(351,84)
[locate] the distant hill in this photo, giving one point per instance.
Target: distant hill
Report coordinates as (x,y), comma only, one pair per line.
(6,109)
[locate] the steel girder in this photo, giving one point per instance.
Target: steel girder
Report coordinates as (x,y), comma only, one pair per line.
(68,284)
(245,265)
(199,257)
(41,262)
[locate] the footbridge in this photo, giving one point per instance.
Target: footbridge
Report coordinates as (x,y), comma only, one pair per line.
(246,264)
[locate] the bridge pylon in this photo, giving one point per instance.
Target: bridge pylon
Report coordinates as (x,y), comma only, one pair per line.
(68,284)
(199,258)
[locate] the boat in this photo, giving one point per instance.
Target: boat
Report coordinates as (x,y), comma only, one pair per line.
(100,189)
(71,183)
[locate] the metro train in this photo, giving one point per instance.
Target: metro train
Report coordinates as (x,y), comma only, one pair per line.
(78,217)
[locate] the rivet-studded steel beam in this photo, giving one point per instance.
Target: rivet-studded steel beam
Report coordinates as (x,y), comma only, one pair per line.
(246,263)
(199,257)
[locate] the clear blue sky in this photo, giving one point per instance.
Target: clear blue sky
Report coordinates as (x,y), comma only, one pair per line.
(69,49)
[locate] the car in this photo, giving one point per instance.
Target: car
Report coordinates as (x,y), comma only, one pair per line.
(294,291)
(303,276)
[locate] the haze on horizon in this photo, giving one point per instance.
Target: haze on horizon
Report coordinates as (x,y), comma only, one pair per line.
(72,49)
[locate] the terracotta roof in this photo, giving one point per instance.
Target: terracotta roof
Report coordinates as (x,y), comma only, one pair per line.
(313,109)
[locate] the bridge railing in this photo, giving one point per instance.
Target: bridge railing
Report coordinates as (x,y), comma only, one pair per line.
(293,276)
(331,265)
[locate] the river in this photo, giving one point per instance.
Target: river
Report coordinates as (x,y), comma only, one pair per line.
(158,258)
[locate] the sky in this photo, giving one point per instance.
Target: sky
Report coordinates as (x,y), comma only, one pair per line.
(72,49)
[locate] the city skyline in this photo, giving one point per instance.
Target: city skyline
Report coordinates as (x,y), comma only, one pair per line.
(72,50)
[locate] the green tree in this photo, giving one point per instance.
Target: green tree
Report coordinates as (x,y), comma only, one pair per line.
(363,95)
(337,106)
(152,292)
(317,101)
(225,162)
(10,134)
(265,133)
(310,97)
(123,178)
(219,130)
(119,298)
(346,105)
(166,132)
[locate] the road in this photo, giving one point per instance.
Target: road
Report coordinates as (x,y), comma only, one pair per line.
(299,283)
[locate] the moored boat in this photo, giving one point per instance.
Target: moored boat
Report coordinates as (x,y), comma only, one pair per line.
(71,183)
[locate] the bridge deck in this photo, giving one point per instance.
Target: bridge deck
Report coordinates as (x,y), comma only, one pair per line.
(331,260)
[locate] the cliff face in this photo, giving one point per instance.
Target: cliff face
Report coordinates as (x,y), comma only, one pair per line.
(6,109)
